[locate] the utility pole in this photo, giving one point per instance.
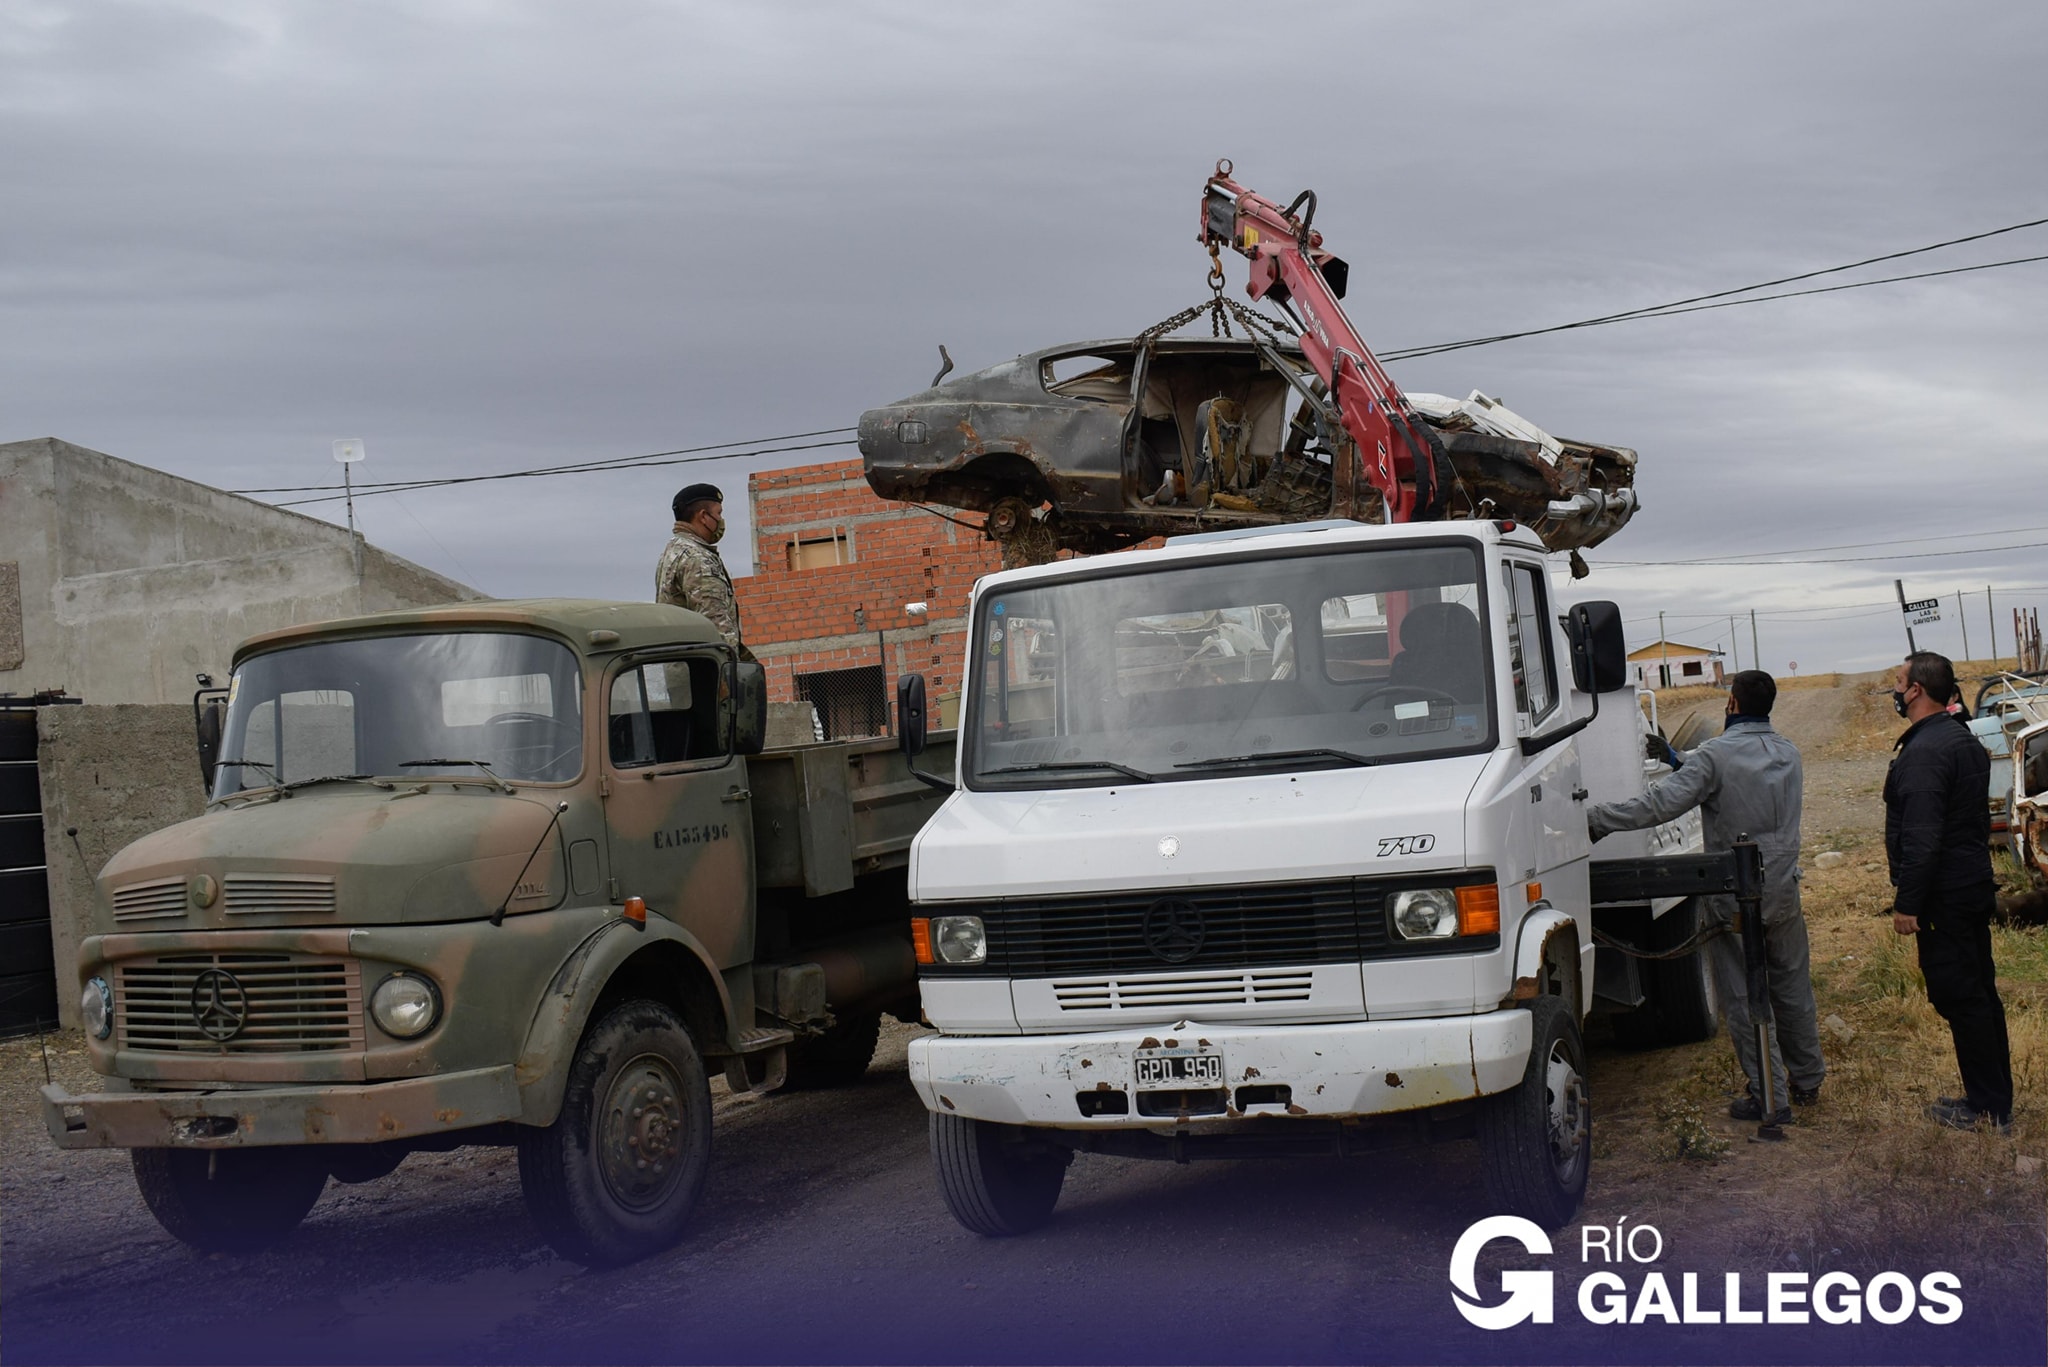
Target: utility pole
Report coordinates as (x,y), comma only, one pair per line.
(1899,585)
(1965,623)
(1757,661)
(1991,625)
(1734,650)
(1664,646)
(348,451)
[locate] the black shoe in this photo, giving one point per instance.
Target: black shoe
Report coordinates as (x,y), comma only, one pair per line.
(1961,1115)
(1806,1096)
(1749,1108)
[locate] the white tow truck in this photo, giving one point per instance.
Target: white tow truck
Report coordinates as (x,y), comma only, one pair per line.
(1273,841)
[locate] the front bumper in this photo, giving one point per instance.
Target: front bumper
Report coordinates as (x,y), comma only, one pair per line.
(281,1115)
(1332,1072)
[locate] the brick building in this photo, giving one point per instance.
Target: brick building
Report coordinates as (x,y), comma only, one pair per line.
(836,572)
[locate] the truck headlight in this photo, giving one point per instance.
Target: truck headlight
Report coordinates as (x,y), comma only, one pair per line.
(959,940)
(1425,914)
(96,1008)
(405,1005)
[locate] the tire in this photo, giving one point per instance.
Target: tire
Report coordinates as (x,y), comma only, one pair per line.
(995,1179)
(230,1200)
(616,1176)
(837,1058)
(353,1164)
(1536,1142)
(1682,1006)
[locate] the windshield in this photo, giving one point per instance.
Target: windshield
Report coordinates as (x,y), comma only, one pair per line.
(367,707)
(1363,656)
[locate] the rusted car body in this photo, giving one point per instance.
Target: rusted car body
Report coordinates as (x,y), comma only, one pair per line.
(1074,445)
(2006,704)
(447,853)
(2029,777)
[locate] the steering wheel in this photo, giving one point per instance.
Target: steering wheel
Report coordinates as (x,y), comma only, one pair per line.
(567,737)
(524,718)
(1413,690)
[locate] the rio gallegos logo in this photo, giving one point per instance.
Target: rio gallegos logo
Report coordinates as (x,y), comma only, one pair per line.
(1529,1295)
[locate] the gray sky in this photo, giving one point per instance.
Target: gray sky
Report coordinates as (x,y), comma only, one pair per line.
(489,235)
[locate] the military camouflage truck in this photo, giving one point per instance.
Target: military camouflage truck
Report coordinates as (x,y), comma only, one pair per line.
(510,873)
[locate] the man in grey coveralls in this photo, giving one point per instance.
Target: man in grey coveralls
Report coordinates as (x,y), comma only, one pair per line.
(1747,780)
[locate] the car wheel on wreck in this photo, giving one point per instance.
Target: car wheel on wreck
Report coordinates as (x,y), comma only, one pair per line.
(616,1176)
(230,1200)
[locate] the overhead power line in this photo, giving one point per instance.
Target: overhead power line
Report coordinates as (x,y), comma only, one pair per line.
(653,460)
(1701,302)
(1826,560)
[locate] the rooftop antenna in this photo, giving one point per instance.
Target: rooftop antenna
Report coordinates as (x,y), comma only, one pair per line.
(348,451)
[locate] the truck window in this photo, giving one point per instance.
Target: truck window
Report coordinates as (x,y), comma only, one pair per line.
(665,713)
(1529,643)
(376,704)
(1233,643)
(304,734)
(1163,671)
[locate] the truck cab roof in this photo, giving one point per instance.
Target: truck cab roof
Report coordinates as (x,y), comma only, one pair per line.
(591,626)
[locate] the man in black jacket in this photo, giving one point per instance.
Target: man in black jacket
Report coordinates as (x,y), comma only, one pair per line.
(1937,835)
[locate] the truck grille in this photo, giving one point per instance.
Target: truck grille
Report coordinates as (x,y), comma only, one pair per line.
(285,1003)
(158,897)
(1333,921)
(1255,988)
(293,893)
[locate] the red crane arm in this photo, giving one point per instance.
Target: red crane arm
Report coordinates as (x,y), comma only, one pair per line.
(1399,455)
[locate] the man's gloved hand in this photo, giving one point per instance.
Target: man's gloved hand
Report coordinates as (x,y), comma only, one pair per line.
(1657,748)
(1596,825)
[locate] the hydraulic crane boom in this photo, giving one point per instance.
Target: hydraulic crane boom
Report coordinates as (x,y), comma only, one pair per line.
(1399,453)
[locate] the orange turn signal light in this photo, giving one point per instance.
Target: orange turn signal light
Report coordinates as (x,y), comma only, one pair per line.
(1534,892)
(921,938)
(636,911)
(1479,909)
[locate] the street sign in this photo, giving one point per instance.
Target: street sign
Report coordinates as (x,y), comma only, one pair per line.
(1922,612)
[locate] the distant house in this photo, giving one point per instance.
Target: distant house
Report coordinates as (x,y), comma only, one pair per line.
(1674,664)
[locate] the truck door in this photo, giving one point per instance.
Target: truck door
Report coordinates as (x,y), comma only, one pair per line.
(1556,805)
(678,819)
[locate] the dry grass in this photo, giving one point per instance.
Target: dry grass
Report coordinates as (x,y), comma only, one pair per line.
(1865,1182)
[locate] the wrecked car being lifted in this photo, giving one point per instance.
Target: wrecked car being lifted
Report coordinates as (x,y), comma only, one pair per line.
(1095,445)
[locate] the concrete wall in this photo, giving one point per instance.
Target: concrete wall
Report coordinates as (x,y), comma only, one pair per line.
(114,774)
(131,581)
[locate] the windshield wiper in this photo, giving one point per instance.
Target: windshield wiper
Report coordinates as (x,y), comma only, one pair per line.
(503,786)
(370,779)
(1316,752)
(1052,764)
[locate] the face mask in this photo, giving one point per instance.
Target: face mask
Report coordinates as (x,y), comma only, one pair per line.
(717,532)
(1899,701)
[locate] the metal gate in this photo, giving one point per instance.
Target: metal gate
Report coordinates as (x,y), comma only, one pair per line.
(28,985)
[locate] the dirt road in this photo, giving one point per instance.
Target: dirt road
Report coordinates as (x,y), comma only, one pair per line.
(822,1237)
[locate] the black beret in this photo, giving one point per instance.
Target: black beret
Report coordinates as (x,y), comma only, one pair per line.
(695,493)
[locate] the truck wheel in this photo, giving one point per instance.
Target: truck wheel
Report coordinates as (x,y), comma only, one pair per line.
(229,1200)
(1681,1005)
(617,1174)
(357,1163)
(995,1179)
(1537,1140)
(839,1057)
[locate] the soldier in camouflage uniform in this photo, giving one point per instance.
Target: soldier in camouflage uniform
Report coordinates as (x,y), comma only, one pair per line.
(691,574)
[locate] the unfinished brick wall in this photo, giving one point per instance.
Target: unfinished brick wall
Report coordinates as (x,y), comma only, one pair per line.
(850,616)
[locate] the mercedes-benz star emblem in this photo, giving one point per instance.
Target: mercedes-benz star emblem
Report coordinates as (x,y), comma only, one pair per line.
(220,1008)
(1173,930)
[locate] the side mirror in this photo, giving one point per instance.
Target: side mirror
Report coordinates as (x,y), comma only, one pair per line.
(747,684)
(910,719)
(1599,650)
(209,719)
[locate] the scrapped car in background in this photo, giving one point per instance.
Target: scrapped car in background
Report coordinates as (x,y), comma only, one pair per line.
(1092,446)
(2007,703)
